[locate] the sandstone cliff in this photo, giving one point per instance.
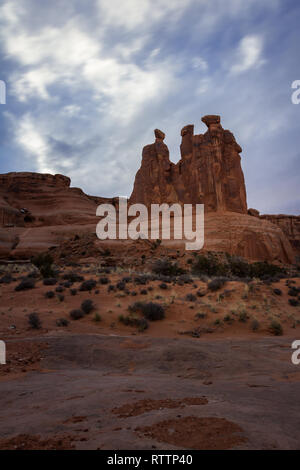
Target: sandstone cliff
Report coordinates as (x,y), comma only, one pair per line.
(290,225)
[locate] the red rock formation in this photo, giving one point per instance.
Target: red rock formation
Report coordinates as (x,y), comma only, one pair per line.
(32,203)
(209,171)
(290,225)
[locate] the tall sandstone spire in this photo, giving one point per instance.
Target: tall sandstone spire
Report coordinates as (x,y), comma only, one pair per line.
(208,172)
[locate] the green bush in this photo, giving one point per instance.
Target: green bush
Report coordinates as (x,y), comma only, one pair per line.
(254,325)
(87,306)
(276,328)
(216,284)
(166,267)
(88,285)
(151,311)
(44,262)
(34,321)
(209,265)
(76,314)
(62,322)
(25,284)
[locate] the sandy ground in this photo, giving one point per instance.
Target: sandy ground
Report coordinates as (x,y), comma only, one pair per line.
(202,378)
(114,392)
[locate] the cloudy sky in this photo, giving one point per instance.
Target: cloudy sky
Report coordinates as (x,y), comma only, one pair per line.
(88,81)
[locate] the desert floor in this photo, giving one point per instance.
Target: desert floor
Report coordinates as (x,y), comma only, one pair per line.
(211,375)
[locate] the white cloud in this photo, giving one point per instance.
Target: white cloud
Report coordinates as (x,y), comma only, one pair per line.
(199,63)
(35,144)
(248,55)
(133,14)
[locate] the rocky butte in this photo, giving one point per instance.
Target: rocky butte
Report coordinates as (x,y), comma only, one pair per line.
(208,172)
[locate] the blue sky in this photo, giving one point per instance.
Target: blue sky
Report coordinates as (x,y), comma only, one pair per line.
(87,82)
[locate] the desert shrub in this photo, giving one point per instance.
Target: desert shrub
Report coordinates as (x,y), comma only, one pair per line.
(33,274)
(103,280)
(73,291)
(276,328)
(254,325)
(126,279)
(61,297)
(88,285)
(216,283)
(121,285)
(34,321)
(59,289)
(243,316)
(228,318)
(156,243)
(163,285)
(133,293)
(111,288)
(277,292)
(133,320)
(97,317)
(293,291)
(76,314)
(62,322)
(185,279)
(218,322)
(263,269)
(208,265)
(200,316)
(153,311)
(142,279)
(49,294)
(137,306)
(25,284)
(67,284)
(238,266)
(6,279)
(44,262)
(190,298)
(49,281)
(293,302)
(73,277)
(87,306)
(144,292)
(142,324)
(201,293)
(167,267)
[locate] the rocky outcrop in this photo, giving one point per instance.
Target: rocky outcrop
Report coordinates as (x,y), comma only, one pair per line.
(208,172)
(35,200)
(246,236)
(38,211)
(290,225)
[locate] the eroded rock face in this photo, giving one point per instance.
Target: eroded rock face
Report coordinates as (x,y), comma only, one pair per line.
(32,203)
(208,172)
(290,225)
